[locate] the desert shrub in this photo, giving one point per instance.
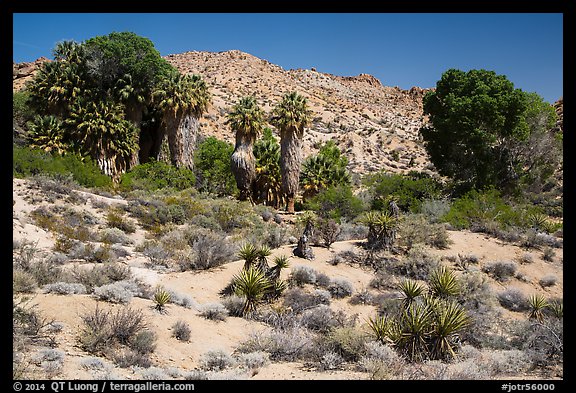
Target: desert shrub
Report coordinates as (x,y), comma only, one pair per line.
(434,209)
(181,330)
(302,274)
(214,312)
(479,208)
(507,362)
(340,288)
(234,304)
(327,232)
(50,360)
(501,271)
(253,360)
(144,341)
(281,344)
(115,219)
(320,318)
(64,288)
(548,281)
(299,300)
(180,299)
(526,258)
(331,361)
(513,299)
(96,331)
(216,360)
(347,341)
(100,275)
(415,228)
(91,363)
(209,249)
(352,231)
(417,264)
(548,254)
(23,282)
(114,236)
(380,361)
(125,358)
(153,374)
(155,175)
(118,292)
(363,296)
(408,190)
(126,323)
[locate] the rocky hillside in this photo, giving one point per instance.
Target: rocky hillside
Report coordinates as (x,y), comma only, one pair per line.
(367,120)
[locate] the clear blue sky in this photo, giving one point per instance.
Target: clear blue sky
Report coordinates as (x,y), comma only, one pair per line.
(402,50)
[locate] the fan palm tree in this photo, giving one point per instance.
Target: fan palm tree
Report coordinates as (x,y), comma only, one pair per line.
(290,116)
(247,120)
(182,99)
(47,133)
(268,183)
(100,130)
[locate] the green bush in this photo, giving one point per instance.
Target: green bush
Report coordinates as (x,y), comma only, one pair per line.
(336,203)
(21,109)
(212,167)
(30,162)
(155,175)
(409,191)
(479,208)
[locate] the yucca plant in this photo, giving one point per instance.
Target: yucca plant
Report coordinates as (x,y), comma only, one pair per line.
(262,261)
(249,253)
(161,298)
(252,285)
(537,304)
(557,309)
(383,328)
(443,283)
(382,228)
(415,329)
(450,318)
(278,263)
(410,289)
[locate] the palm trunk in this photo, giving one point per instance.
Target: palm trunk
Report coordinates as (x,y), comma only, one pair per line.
(290,160)
(243,165)
(182,134)
(134,114)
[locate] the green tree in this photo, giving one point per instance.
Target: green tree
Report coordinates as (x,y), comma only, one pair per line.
(476,120)
(247,120)
(212,167)
(290,116)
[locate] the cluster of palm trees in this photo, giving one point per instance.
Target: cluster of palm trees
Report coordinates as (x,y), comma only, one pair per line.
(290,116)
(116,100)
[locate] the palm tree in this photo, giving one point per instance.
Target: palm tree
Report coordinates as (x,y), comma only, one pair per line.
(290,116)
(98,128)
(268,183)
(246,120)
(47,133)
(182,99)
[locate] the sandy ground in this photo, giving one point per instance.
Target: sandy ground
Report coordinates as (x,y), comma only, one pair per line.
(204,287)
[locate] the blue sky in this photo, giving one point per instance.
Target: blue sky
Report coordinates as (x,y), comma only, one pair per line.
(401,50)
